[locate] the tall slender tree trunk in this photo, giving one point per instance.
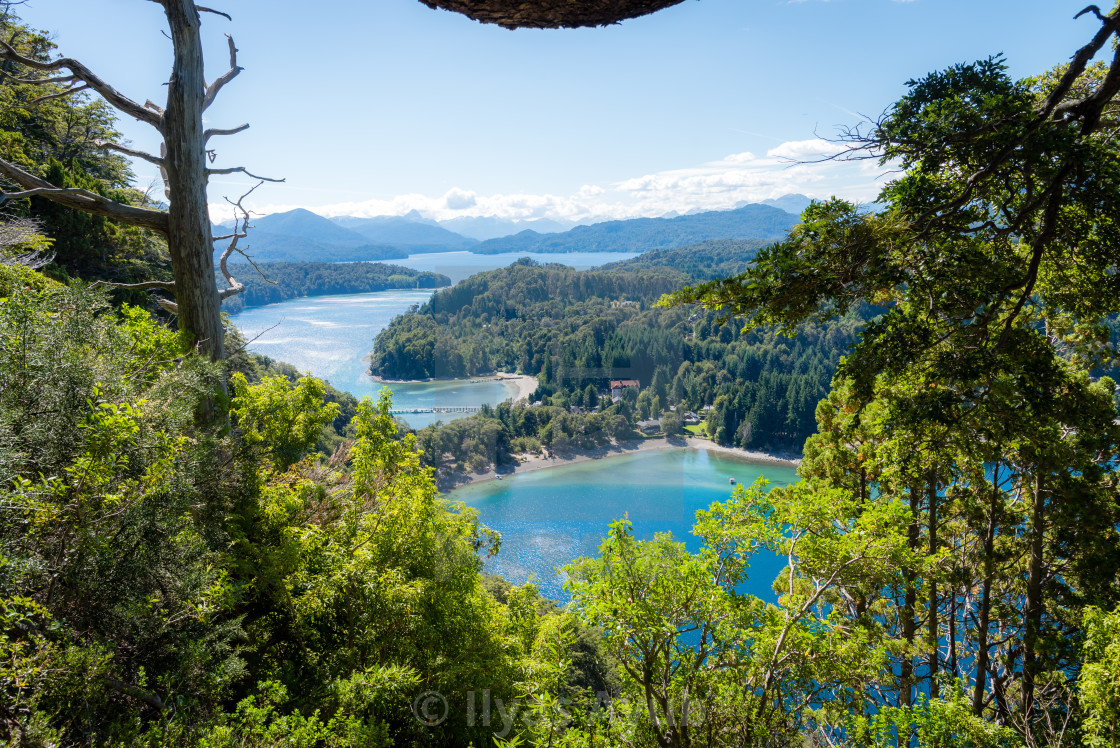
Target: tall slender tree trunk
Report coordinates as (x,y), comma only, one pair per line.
(981,665)
(910,604)
(189,237)
(951,626)
(934,625)
(1032,613)
(861,599)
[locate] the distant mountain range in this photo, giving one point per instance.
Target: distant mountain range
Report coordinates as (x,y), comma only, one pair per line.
(409,230)
(643,234)
(789,203)
(302,236)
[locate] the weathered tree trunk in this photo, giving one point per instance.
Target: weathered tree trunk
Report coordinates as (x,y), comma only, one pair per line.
(182,162)
(189,238)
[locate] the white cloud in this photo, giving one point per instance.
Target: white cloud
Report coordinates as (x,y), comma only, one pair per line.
(791,167)
(800,150)
(457,199)
(740,158)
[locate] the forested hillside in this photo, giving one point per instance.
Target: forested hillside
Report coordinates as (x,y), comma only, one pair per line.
(580,329)
(270,282)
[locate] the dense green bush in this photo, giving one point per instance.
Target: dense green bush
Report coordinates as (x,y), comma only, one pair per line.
(166,583)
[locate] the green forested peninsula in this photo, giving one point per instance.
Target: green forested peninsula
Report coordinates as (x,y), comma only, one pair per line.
(581,329)
(270,282)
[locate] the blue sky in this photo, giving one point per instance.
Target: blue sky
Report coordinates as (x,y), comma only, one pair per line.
(372,107)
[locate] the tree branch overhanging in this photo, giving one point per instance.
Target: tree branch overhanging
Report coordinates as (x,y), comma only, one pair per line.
(81,200)
(60,94)
(226,16)
(241,170)
(142,155)
(227,131)
(80,72)
(168,286)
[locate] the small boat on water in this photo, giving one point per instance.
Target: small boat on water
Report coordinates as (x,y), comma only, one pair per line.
(731,481)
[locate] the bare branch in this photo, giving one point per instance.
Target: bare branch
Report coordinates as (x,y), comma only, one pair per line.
(107,145)
(83,200)
(168,286)
(235,286)
(1095,10)
(215,87)
(242,170)
(169,305)
(84,74)
(41,81)
(60,94)
(215,12)
(230,131)
(45,192)
(17,233)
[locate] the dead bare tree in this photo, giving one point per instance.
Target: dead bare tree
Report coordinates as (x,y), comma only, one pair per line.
(17,246)
(183,163)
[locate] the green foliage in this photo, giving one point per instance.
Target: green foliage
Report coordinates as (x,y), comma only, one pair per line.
(929,723)
(967,402)
(162,584)
(287,419)
(111,546)
(704,660)
(1099,682)
(13,277)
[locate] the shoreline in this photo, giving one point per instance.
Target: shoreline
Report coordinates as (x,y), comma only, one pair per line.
(525,384)
(534,462)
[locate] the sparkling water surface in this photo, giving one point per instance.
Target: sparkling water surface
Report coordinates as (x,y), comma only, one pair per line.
(550,517)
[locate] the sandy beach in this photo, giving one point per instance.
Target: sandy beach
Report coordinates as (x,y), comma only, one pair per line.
(525,384)
(532,462)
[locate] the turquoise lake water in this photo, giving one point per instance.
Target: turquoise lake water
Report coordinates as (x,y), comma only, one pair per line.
(550,517)
(330,336)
